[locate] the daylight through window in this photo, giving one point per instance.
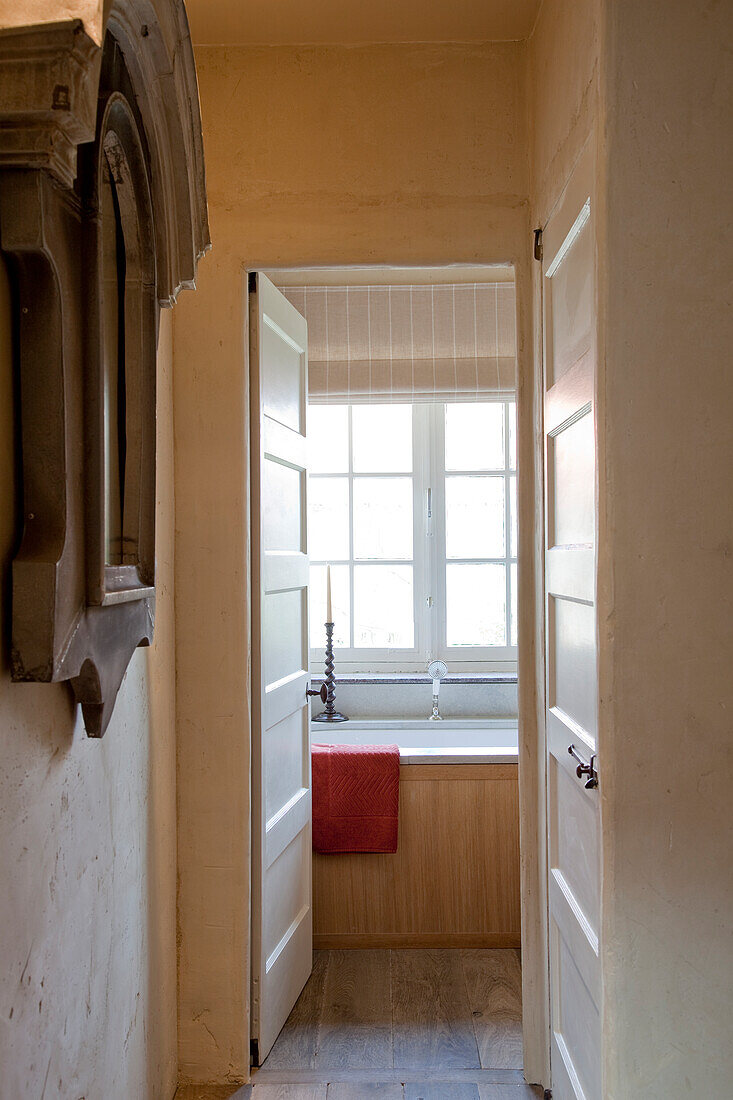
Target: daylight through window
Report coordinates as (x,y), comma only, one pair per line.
(414,508)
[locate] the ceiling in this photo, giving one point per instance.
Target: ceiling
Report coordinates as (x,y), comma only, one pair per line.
(280,22)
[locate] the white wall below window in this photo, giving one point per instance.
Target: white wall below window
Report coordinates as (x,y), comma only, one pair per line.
(404,700)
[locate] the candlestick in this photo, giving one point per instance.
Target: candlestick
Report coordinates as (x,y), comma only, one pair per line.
(329,609)
(330,714)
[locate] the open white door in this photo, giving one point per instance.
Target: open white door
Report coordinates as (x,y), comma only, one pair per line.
(282,923)
(568,243)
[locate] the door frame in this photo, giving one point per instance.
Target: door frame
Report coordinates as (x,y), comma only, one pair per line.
(531,633)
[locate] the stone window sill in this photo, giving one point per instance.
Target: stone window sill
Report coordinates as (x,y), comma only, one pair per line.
(421,678)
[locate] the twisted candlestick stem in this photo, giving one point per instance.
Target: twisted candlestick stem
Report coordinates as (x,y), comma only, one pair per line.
(330,714)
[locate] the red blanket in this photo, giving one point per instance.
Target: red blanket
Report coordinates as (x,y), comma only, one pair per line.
(356,792)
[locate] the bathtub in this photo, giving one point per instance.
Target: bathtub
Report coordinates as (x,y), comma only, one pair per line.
(452,741)
(454,880)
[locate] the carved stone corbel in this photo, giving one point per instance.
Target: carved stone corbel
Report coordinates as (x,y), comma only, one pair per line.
(48,92)
(97,235)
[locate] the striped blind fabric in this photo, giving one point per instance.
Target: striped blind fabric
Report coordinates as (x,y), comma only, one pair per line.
(449,342)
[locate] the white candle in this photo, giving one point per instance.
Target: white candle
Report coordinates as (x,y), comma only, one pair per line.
(329,609)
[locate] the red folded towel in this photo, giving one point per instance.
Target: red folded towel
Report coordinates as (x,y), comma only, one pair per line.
(356,794)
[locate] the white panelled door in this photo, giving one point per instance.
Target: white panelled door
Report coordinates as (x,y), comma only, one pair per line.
(569,314)
(282,923)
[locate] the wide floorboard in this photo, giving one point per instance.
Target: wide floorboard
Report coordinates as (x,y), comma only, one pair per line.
(401,1025)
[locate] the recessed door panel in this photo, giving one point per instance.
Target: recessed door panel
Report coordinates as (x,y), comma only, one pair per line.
(282,499)
(571,459)
(285,750)
(572,665)
(574,840)
(577,1019)
(571,292)
(284,385)
(284,632)
(288,894)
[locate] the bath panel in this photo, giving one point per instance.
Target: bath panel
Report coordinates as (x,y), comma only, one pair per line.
(454,880)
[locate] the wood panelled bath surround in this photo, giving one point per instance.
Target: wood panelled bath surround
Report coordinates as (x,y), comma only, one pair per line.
(454,880)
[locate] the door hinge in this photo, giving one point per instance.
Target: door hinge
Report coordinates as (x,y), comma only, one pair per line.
(252,281)
(538,244)
(254,1052)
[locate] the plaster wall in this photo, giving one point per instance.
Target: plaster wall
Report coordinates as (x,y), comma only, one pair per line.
(87,841)
(563,95)
(315,155)
(667,508)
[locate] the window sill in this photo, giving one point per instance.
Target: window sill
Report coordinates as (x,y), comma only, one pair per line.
(420,678)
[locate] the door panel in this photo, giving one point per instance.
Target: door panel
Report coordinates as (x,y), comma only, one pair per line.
(283,387)
(571,455)
(283,763)
(282,501)
(282,922)
(572,683)
(574,835)
(572,627)
(283,622)
(571,272)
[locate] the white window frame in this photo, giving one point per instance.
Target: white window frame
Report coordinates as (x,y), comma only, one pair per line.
(429,544)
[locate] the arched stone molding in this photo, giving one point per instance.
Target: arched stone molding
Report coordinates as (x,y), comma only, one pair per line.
(80,120)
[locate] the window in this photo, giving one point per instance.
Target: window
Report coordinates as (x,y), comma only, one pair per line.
(414,508)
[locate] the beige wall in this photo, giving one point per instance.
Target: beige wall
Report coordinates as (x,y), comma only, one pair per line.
(563,91)
(87,844)
(365,154)
(331,155)
(667,508)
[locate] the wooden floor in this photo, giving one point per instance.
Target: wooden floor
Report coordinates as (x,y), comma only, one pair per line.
(401,1025)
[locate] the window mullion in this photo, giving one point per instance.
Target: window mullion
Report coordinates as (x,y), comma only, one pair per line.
(352,629)
(420,574)
(439,572)
(507,532)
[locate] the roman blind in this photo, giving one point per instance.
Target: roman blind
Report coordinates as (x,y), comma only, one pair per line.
(447,342)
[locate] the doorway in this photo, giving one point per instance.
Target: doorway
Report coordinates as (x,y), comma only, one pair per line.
(411,513)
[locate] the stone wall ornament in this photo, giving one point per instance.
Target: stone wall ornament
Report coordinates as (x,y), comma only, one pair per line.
(102,221)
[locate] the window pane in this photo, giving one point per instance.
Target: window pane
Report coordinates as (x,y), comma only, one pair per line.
(382,517)
(382,438)
(476,605)
(328,518)
(474,436)
(339,603)
(474,517)
(512,406)
(328,439)
(513,580)
(383,606)
(512,517)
